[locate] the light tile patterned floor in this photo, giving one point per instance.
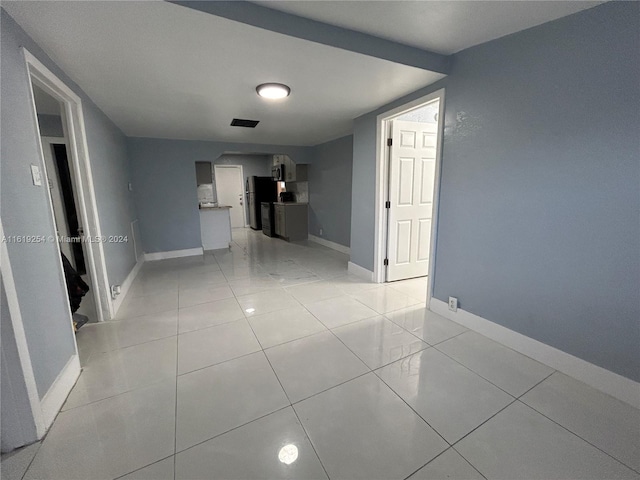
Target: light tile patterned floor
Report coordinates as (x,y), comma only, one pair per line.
(268,360)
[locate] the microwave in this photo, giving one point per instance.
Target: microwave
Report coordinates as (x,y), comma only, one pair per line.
(277,173)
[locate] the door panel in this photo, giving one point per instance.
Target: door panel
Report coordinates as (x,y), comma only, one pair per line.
(405,187)
(411,186)
(230,191)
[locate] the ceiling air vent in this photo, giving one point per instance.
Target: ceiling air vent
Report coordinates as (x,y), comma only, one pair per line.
(240,122)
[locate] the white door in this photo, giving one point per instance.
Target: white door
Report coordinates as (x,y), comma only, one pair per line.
(411,184)
(230,191)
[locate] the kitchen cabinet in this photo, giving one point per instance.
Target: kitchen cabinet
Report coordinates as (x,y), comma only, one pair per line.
(291,221)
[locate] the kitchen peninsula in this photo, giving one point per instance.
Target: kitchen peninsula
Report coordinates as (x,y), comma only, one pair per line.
(215,226)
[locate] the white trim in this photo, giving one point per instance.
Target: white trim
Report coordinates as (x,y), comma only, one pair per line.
(330,244)
(189,252)
(611,383)
(59,391)
(361,272)
(74,132)
(20,337)
(382,175)
(126,285)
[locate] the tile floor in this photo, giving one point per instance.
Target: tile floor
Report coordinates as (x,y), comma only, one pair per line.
(268,360)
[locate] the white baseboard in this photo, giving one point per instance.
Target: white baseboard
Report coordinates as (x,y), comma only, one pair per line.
(189,252)
(617,386)
(126,285)
(55,397)
(330,244)
(359,271)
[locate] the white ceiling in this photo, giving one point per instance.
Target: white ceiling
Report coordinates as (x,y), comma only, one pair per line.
(439,26)
(162,70)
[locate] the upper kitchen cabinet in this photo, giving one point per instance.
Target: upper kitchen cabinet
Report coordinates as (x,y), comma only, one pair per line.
(292,171)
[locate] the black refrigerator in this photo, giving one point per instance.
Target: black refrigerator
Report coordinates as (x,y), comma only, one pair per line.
(259,189)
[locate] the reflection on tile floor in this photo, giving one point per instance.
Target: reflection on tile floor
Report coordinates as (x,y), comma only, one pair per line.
(268,360)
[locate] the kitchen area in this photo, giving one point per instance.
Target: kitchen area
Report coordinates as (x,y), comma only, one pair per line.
(279,204)
(276,204)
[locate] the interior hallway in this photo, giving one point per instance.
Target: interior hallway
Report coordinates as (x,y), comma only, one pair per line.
(269,361)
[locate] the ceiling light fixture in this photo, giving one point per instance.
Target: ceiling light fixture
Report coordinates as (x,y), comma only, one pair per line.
(273,91)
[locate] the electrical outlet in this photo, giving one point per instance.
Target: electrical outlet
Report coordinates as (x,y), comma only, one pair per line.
(453,304)
(320,232)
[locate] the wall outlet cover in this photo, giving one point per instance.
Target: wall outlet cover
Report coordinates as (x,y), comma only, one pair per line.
(453,304)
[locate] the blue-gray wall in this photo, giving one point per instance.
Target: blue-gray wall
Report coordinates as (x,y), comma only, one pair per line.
(164,178)
(25,208)
(539,225)
(330,190)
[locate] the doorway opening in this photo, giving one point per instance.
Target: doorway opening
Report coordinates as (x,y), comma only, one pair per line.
(64,159)
(230,191)
(409,144)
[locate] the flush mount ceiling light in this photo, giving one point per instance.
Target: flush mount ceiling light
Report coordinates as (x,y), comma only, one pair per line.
(273,91)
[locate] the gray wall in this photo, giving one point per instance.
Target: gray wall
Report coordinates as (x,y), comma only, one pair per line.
(25,208)
(539,228)
(252,165)
(330,190)
(164,178)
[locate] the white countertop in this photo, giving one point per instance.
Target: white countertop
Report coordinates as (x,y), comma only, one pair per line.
(291,203)
(219,207)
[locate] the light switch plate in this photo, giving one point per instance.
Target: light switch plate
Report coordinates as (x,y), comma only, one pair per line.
(35,175)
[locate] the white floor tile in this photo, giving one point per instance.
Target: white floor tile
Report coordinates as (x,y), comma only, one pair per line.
(314,292)
(252,285)
(209,346)
(159,302)
(294,277)
(204,294)
(208,315)
(15,463)
(216,399)
(266,302)
(313,364)
(361,429)
(339,311)
(197,279)
(113,335)
(273,447)
(109,438)
(414,287)
(530,446)
(449,464)
(385,299)
(378,341)
(509,370)
(452,399)
(607,423)
(284,325)
(112,373)
(350,284)
(162,470)
(423,323)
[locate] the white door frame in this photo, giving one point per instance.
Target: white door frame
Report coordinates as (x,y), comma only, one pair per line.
(382,185)
(78,155)
(242,187)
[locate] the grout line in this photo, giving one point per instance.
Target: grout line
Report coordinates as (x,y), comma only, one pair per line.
(175,417)
(472,465)
(34,455)
(148,465)
(310,441)
(477,427)
(574,433)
